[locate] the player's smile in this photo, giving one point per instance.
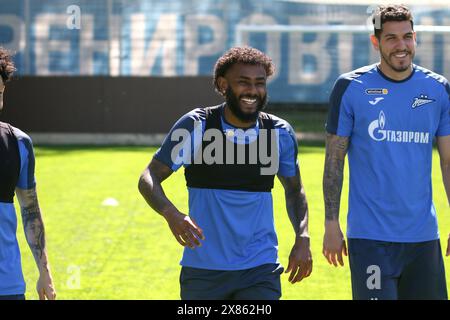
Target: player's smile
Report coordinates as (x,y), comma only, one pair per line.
(397,45)
(249,104)
(400,55)
(249,101)
(245,107)
(399,61)
(246,92)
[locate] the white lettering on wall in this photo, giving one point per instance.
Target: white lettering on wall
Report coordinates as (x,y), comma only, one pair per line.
(163,43)
(273,41)
(44,46)
(193,48)
(17,42)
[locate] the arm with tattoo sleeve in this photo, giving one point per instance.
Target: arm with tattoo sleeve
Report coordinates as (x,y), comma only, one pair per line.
(35,235)
(334,244)
(300,258)
(184,228)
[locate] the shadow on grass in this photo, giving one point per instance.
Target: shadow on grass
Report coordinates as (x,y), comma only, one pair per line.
(49,151)
(318,144)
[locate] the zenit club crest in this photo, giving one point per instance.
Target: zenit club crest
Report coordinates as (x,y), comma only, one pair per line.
(421,100)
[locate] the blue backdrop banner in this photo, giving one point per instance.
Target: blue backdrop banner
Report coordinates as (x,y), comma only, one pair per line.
(168,38)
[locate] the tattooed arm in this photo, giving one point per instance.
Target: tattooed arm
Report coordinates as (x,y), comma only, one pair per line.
(334,243)
(300,259)
(35,235)
(184,228)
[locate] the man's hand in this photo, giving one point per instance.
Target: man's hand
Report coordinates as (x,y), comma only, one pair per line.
(185,230)
(300,260)
(334,243)
(45,288)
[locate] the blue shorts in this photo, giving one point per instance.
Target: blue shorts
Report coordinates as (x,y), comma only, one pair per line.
(259,283)
(390,270)
(13,297)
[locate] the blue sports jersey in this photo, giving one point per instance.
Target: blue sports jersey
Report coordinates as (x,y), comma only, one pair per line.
(238,225)
(11,277)
(391,125)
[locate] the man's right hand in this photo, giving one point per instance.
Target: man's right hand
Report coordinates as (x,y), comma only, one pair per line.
(334,243)
(185,230)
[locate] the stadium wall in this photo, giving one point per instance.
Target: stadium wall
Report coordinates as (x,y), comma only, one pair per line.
(178,38)
(104,105)
(92,69)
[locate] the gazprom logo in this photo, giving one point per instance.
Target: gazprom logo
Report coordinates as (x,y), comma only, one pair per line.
(381,119)
(376,128)
(378,132)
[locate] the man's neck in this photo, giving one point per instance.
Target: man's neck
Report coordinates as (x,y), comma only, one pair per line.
(395,75)
(235,121)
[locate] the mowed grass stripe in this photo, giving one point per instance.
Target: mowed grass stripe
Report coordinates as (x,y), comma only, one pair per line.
(128,251)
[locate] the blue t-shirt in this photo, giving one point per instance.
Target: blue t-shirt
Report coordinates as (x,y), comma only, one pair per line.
(11,277)
(391,125)
(238,225)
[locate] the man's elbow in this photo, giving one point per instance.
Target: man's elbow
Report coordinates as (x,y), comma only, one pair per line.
(445,163)
(142,183)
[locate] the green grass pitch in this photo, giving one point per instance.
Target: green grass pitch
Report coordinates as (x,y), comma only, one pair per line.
(128,252)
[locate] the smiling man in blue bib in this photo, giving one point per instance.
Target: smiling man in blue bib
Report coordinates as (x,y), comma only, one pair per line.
(231,154)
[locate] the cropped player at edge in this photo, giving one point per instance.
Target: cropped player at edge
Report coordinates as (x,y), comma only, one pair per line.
(386,116)
(231,248)
(17,177)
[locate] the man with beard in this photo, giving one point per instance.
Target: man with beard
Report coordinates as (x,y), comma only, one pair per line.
(386,115)
(17,176)
(231,248)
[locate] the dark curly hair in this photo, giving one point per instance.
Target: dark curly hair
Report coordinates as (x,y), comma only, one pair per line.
(390,13)
(246,55)
(6,65)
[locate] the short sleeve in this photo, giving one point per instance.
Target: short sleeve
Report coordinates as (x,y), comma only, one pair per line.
(183,139)
(444,121)
(27,163)
(288,150)
(340,115)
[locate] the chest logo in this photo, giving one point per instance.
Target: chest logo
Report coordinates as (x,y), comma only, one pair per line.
(378,131)
(374,102)
(421,100)
(377,91)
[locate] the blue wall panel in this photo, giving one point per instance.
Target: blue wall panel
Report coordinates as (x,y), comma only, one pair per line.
(184,38)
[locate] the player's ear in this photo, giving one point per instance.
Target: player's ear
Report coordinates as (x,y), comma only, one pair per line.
(222,84)
(375,42)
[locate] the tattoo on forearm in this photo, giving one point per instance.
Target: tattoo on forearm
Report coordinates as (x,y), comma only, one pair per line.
(296,204)
(297,208)
(334,175)
(33,224)
(34,231)
(151,188)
